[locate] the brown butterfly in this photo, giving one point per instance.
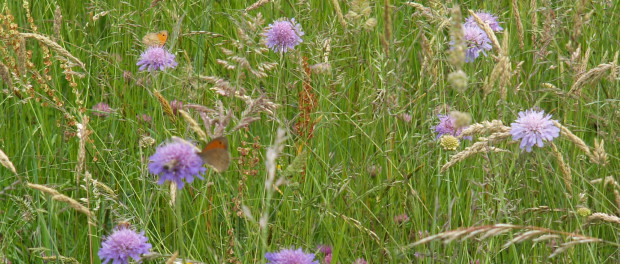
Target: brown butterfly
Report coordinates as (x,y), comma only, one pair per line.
(216,154)
(157,39)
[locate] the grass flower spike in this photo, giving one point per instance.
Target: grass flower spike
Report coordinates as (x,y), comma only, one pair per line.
(290,256)
(156,59)
(176,161)
(122,244)
(533,128)
(283,35)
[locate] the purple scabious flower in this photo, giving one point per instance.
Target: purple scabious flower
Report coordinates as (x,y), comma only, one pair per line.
(122,244)
(532,128)
(447,126)
(290,256)
(283,35)
(487,18)
(156,59)
(476,41)
(176,161)
(102,109)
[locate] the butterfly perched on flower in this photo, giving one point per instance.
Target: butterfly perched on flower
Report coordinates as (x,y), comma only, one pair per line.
(156,39)
(216,154)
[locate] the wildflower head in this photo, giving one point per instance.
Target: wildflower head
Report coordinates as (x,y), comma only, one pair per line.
(290,256)
(176,161)
(584,211)
(400,219)
(448,126)
(458,80)
(283,35)
(449,142)
(532,128)
(122,244)
(406,117)
(487,18)
(327,250)
(476,41)
(144,118)
(156,59)
(460,119)
(102,109)
(176,106)
(360,261)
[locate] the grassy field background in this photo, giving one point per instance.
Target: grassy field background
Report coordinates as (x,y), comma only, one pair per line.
(365,163)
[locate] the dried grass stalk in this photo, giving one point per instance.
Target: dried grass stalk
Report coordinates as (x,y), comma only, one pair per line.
(193,125)
(6,76)
(590,77)
(609,180)
(534,19)
(485,127)
(599,156)
(165,105)
(57,22)
(478,147)
(256,5)
(567,176)
(457,54)
(575,139)
(53,45)
(520,31)
(171,259)
(6,162)
(529,233)
(63,198)
(343,22)
(603,217)
(83,132)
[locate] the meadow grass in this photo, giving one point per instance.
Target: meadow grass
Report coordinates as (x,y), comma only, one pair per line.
(362,165)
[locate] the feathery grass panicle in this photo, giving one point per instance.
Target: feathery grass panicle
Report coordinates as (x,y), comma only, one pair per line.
(527,233)
(336,5)
(65,199)
(520,31)
(165,105)
(604,218)
(591,76)
(457,53)
(610,180)
(83,132)
(485,127)
(256,5)
(481,146)
(6,162)
(172,258)
(567,175)
(599,156)
(435,16)
(66,56)
(194,125)
(575,139)
(57,23)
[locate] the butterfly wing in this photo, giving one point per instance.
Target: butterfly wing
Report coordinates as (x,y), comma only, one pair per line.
(216,154)
(155,39)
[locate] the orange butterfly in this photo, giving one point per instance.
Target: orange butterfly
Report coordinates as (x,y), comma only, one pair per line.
(157,39)
(216,154)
